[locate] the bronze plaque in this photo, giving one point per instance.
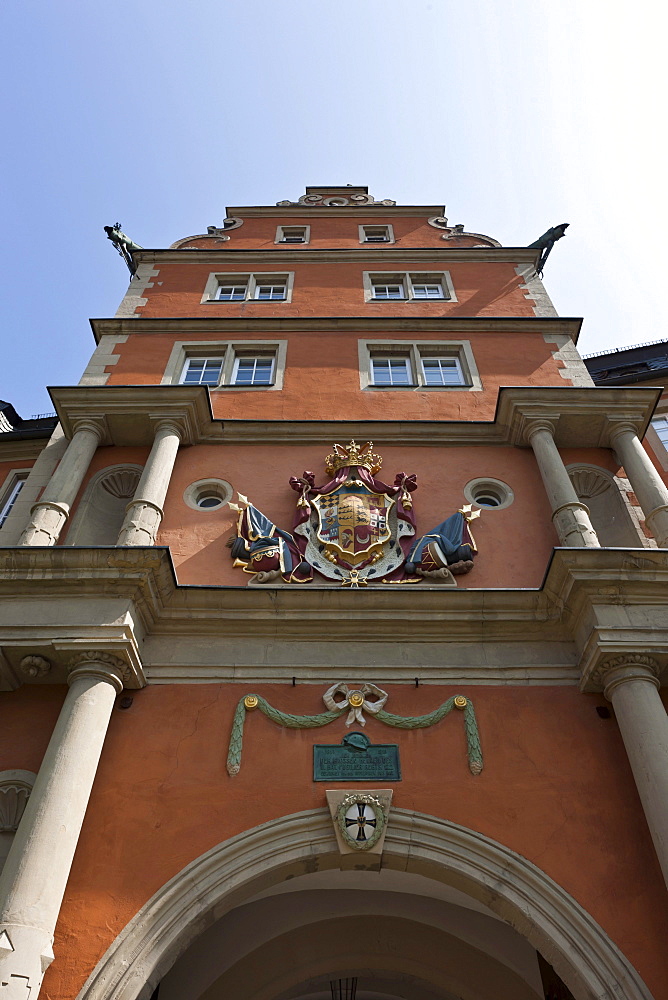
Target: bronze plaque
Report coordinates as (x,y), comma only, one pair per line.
(356,758)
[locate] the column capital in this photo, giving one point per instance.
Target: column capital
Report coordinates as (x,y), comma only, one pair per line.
(171,424)
(535,424)
(616,670)
(98,663)
(617,427)
(92,424)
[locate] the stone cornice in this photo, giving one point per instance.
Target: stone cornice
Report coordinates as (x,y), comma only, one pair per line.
(327,211)
(581,418)
(22,449)
(221,633)
(391,257)
(371,326)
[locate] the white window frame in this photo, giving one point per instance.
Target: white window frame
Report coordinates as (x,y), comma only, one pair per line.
(660,426)
(364,236)
(252,281)
(256,356)
(281,235)
(656,431)
(11,488)
(202,357)
(415,351)
(185,351)
(407,279)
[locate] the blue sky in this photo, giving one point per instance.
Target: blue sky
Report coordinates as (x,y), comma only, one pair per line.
(517,114)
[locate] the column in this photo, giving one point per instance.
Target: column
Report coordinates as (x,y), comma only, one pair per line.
(631,683)
(647,484)
(144,512)
(49,514)
(569,515)
(33,880)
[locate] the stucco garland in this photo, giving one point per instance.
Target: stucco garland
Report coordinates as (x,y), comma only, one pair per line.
(229,874)
(473,748)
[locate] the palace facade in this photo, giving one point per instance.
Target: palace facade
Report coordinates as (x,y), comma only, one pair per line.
(333,625)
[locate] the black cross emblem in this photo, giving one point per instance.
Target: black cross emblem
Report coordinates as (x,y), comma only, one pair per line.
(361,822)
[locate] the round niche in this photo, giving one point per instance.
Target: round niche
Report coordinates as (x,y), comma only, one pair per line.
(489,494)
(208,495)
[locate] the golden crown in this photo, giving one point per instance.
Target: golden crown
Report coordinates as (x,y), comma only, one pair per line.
(352,455)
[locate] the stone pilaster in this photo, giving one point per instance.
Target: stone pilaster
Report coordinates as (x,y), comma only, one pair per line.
(144,512)
(647,484)
(49,514)
(630,681)
(569,515)
(35,874)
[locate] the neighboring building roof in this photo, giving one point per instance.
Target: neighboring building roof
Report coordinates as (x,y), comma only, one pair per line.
(629,364)
(14,426)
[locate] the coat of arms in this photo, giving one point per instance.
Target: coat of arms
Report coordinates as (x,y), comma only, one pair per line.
(354,529)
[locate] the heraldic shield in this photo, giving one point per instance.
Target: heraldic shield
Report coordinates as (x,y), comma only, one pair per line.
(353,522)
(353,529)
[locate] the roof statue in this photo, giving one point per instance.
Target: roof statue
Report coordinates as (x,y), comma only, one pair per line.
(123,244)
(545,243)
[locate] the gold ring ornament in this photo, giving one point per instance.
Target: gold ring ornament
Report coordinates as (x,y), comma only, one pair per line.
(460,702)
(361,819)
(367,698)
(251,702)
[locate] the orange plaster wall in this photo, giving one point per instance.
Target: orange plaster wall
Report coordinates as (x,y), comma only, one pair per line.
(337,289)
(556,788)
(514,543)
(322,377)
(15,463)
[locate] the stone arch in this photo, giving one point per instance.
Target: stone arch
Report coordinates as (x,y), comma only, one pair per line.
(102,507)
(611,513)
(509,885)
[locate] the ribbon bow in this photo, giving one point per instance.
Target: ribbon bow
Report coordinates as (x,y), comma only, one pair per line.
(356,700)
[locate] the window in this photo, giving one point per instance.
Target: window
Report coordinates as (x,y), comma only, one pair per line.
(242,364)
(202,371)
(274,291)
(10,496)
(391,370)
(660,425)
(376,234)
(259,287)
(293,234)
(208,495)
(408,286)
(489,493)
(253,370)
(412,365)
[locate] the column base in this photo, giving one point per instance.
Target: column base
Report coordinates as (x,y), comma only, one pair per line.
(657,522)
(141,524)
(25,955)
(46,522)
(573,526)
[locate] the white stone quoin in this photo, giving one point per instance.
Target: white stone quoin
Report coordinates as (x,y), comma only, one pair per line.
(48,516)
(569,515)
(144,512)
(35,874)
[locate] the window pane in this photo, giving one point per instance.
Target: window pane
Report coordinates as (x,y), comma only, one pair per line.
(428,291)
(660,425)
(393,291)
(232,293)
(254,371)
(204,371)
(442,371)
(391,371)
(266,292)
(5,510)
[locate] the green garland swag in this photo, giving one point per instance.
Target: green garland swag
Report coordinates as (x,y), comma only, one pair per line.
(473,748)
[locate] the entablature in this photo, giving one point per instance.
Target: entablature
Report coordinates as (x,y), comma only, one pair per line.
(593,603)
(580,417)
